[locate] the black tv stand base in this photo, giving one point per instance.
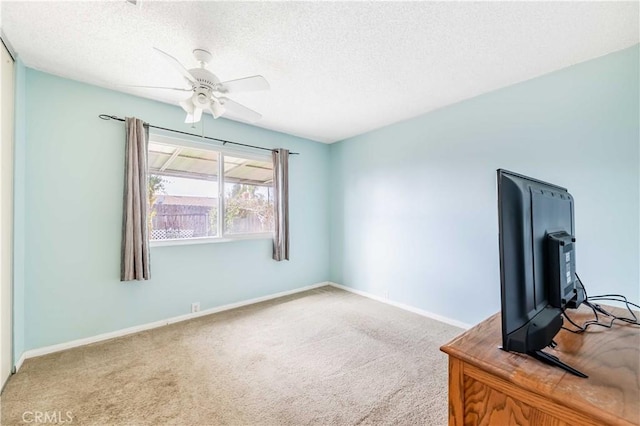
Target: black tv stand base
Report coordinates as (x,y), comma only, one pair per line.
(555,361)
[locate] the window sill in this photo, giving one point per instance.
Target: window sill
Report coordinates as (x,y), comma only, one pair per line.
(210,240)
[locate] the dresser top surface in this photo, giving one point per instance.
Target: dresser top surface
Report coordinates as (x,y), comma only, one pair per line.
(610,357)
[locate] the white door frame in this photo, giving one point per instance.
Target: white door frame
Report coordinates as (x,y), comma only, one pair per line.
(7,93)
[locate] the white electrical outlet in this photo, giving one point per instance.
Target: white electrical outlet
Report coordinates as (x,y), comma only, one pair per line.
(195,307)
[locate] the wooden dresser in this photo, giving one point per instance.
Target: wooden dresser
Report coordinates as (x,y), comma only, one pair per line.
(488,386)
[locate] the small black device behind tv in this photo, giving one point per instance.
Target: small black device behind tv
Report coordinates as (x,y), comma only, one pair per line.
(537,264)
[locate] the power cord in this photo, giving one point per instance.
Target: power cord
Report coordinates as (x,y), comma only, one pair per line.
(595,307)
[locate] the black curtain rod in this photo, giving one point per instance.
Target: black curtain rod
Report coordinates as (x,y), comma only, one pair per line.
(224,142)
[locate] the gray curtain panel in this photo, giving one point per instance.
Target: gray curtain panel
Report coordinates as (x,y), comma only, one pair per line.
(135,237)
(281,199)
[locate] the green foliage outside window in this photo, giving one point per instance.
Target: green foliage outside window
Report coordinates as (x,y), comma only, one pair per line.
(245,202)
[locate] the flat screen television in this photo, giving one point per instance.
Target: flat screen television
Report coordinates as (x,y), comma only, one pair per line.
(537,264)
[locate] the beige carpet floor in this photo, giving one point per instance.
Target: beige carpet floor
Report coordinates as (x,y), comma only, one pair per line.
(322,357)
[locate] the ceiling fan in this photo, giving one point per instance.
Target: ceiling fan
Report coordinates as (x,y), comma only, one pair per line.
(208,91)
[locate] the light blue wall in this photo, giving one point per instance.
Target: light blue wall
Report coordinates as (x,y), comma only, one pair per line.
(19,211)
(413,206)
(73,199)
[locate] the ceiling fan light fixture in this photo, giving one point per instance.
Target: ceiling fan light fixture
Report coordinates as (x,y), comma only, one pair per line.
(187,106)
(216,109)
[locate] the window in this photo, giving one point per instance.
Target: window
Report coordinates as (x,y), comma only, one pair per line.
(190,185)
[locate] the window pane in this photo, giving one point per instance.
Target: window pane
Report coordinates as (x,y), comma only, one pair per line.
(248,195)
(183,188)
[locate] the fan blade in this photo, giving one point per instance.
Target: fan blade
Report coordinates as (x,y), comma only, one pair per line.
(178,66)
(240,111)
(247,84)
(166,88)
(195,117)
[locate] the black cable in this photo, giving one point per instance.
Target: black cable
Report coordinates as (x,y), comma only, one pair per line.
(615,298)
(584,290)
(611,297)
(583,328)
(629,320)
(586,298)
(595,308)
(579,330)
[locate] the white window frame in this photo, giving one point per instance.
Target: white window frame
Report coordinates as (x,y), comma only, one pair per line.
(190,142)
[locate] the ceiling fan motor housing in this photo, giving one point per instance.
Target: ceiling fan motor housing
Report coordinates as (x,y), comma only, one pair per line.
(205,78)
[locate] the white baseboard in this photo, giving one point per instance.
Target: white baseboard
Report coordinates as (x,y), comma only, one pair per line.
(19,362)
(413,309)
(135,329)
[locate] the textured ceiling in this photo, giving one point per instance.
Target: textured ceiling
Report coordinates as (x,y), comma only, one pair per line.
(337,69)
